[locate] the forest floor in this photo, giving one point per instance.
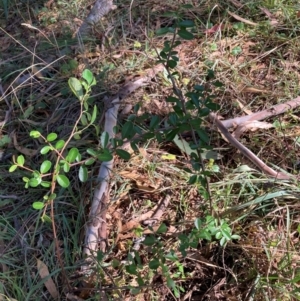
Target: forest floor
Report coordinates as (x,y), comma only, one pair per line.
(253,49)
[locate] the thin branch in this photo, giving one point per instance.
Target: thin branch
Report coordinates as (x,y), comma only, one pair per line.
(273,111)
(247,153)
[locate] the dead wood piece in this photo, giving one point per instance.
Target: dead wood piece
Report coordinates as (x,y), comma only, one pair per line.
(247,153)
(96,225)
(273,111)
(159,211)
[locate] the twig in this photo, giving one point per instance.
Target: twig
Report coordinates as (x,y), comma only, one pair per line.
(247,153)
(273,111)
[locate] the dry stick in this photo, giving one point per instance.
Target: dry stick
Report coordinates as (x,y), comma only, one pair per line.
(246,152)
(96,219)
(273,111)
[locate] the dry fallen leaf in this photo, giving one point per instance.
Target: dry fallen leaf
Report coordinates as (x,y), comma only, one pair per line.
(49,283)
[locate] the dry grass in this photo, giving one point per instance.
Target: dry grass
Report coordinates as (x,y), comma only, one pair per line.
(259,67)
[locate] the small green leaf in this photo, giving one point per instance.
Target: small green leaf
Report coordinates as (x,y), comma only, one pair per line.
(83,119)
(46,184)
(34,182)
(88,76)
(198,223)
(226,234)
(51,137)
(89,161)
(223,241)
(170,282)
(171,256)
(164,30)
(219,235)
(77,136)
(131,269)
(105,156)
(72,154)
(94,115)
(154,122)
(184,34)
(162,229)
(154,264)
(76,87)
(38,205)
(52,196)
(45,150)
(92,152)
(35,134)
(59,144)
(123,154)
(213,106)
(128,130)
(46,219)
(171,63)
(186,23)
(83,173)
(237,50)
(4,140)
(104,139)
(150,240)
(13,168)
(66,167)
(63,181)
(21,160)
(45,167)
(115,263)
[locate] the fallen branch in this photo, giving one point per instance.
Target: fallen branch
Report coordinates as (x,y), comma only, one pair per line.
(96,225)
(273,111)
(246,152)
